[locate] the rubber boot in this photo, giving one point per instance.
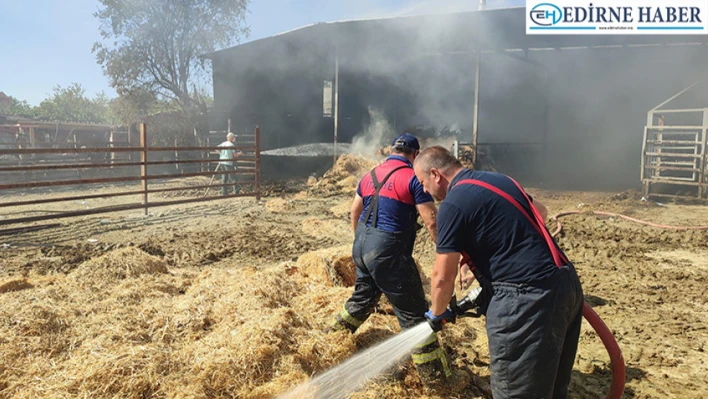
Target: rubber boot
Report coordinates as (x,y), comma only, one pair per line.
(344,321)
(432,366)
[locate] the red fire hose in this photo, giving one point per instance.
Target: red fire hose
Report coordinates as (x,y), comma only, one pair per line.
(613,349)
(598,213)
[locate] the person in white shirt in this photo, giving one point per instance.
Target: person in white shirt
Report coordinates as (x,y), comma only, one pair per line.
(227,155)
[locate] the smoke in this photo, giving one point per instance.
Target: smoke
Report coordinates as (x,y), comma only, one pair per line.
(570,118)
(377,134)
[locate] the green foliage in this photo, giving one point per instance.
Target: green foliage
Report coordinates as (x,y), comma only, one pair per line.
(17,108)
(71,104)
(154,46)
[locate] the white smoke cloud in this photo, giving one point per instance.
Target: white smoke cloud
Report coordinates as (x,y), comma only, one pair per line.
(375,136)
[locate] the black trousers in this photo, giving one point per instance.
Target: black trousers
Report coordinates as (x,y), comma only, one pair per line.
(384,264)
(533,332)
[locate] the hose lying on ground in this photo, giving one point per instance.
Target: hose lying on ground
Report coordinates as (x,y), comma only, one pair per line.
(559,227)
(608,340)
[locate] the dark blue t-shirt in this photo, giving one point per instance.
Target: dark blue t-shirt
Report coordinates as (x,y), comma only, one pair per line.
(501,242)
(398,197)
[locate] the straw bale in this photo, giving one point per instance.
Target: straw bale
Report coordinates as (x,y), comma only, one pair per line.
(331,266)
(122,263)
(279,205)
(15,285)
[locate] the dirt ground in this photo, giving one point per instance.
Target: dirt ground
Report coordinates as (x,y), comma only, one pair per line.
(160,330)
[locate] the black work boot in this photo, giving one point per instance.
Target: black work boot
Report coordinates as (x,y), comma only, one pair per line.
(434,370)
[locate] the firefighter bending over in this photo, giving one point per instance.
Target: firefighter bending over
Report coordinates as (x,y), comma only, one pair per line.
(384,218)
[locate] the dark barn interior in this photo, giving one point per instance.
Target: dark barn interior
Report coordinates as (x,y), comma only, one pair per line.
(557,111)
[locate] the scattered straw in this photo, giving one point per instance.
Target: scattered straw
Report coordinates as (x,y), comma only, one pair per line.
(120,326)
(342,209)
(322,228)
(15,285)
(344,175)
(279,205)
(332,266)
(119,264)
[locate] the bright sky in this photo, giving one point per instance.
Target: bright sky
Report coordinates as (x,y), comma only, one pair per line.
(44,43)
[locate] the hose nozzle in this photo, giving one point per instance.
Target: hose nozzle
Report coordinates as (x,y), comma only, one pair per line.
(469,302)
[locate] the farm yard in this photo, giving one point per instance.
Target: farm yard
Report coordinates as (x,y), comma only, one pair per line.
(230,298)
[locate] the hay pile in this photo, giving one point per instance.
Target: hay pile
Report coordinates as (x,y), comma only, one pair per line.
(342,210)
(323,228)
(484,162)
(344,176)
(138,331)
(331,266)
(279,205)
(119,264)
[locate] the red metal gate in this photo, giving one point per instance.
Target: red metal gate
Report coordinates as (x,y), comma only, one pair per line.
(25,169)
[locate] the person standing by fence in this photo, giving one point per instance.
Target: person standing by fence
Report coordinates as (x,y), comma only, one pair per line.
(227,157)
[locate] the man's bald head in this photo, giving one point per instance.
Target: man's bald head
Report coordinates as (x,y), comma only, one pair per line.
(436,157)
(434,168)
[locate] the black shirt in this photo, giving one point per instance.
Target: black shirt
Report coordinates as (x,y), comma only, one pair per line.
(502,243)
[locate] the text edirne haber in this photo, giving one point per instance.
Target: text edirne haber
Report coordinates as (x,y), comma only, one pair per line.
(627,14)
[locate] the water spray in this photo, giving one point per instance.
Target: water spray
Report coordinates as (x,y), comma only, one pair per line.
(350,376)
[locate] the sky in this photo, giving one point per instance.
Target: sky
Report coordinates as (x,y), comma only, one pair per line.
(45,43)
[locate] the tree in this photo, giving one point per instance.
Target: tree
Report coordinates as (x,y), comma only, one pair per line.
(130,107)
(17,108)
(155,45)
(71,104)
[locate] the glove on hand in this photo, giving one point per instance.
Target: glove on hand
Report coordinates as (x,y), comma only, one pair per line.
(437,322)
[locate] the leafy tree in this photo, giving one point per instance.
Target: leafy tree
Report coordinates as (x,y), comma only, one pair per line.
(155,45)
(71,104)
(17,108)
(128,108)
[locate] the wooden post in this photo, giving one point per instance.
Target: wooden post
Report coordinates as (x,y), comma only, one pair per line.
(257,134)
(143,167)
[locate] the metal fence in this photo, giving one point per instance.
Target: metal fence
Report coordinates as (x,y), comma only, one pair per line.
(23,169)
(674,155)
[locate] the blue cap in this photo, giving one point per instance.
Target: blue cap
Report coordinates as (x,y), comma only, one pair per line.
(406,140)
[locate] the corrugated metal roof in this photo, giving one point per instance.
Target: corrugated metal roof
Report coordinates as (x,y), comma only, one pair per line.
(21,121)
(490,30)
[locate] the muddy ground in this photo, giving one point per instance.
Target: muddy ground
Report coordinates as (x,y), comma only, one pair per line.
(649,285)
